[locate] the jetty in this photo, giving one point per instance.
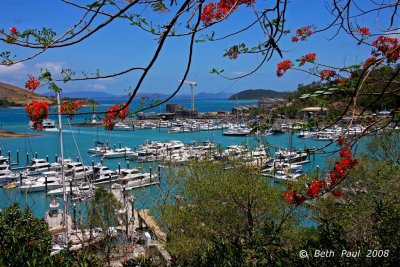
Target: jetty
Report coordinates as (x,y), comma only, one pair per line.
(140,226)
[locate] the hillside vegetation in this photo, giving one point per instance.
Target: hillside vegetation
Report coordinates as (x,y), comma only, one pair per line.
(257,94)
(11,95)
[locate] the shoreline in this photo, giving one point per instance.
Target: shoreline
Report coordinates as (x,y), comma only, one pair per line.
(11,134)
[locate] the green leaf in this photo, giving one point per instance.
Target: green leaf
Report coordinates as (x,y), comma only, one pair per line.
(54,87)
(159,7)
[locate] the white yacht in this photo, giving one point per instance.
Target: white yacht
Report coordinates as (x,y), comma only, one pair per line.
(6,175)
(51,178)
(175,129)
(237,131)
(126,175)
(37,167)
(282,171)
(121,127)
(164,124)
(77,171)
(99,149)
(119,153)
(102,175)
(289,156)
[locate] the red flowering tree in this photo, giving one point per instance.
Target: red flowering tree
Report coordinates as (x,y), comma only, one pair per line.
(70,108)
(32,84)
(321,186)
(114,115)
(197,22)
(37,111)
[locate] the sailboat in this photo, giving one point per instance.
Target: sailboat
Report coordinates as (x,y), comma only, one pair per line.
(56,218)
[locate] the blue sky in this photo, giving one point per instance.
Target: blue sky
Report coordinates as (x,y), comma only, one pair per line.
(120,45)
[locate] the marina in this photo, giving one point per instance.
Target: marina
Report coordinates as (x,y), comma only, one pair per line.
(142,148)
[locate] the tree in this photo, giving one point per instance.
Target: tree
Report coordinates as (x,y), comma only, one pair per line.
(24,239)
(366,218)
(102,216)
(196,21)
(189,19)
(226,216)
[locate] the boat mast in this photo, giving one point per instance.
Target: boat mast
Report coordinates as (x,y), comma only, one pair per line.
(62,165)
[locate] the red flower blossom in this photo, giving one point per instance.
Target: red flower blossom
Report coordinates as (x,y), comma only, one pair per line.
(341,140)
(32,83)
(303,33)
(337,193)
(386,47)
(338,173)
(71,108)
(345,153)
(295,39)
(315,187)
(283,67)
(364,31)
(340,81)
(37,111)
(219,11)
(113,115)
(293,197)
(13,30)
(327,74)
(307,58)
(369,62)
(29,243)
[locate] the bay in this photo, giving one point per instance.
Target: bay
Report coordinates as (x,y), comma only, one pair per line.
(77,140)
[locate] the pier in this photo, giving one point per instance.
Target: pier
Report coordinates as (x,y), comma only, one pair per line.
(137,224)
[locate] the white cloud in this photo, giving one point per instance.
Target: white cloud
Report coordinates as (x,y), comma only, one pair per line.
(54,67)
(14,72)
(96,87)
(394,34)
(237,73)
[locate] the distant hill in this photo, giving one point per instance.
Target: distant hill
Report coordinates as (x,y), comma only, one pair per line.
(254,94)
(11,95)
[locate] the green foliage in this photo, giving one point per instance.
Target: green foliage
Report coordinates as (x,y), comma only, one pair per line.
(140,262)
(45,36)
(368,216)
(159,7)
(24,240)
(67,74)
(101,209)
(102,213)
(224,215)
(216,71)
(7,58)
(211,224)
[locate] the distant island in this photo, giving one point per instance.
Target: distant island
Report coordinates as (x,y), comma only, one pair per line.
(255,94)
(13,96)
(104,96)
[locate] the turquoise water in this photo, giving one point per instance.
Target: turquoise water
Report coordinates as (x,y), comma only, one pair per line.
(46,144)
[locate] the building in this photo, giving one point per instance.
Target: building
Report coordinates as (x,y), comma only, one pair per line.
(243,109)
(173,108)
(270,103)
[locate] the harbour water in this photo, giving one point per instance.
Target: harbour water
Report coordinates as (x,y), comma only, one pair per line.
(77,141)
